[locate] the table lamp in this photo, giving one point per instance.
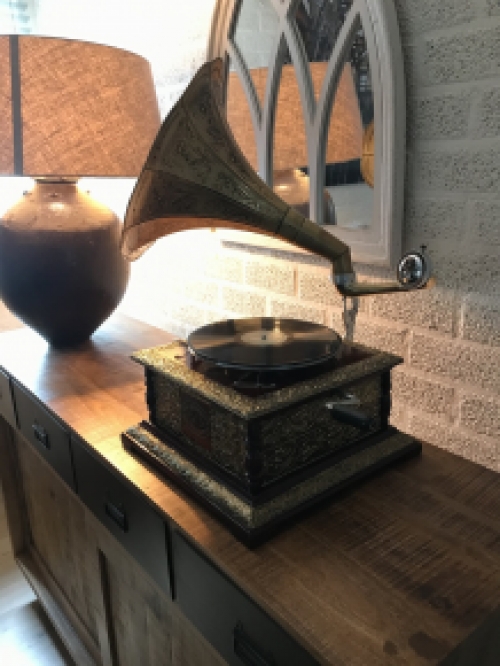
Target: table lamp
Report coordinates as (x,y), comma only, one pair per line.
(69,109)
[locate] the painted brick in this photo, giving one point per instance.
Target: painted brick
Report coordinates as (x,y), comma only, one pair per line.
(466,363)
(432,308)
(152,316)
(434,429)
(478,448)
(488,120)
(457,170)
(467,269)
(431,14)
(243,302)
(469,55)
(178,329)
(479,272)
(187,314)
(493,7)
(278,278)
(481,320)
(213,315)
(484,223)
(318,287)
(199,290)
(379,336)
(428,220)
(398,417)
(439,116)
(480,415)
(422,394)
(224,266)
(294,310)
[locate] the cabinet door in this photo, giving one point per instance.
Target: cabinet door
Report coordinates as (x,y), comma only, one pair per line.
(137,612)
(60,537)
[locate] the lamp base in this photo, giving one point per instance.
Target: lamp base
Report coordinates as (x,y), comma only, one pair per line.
(61,270)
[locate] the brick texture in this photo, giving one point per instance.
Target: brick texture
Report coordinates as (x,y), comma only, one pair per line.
(425,395)
(378,335)
(440,116)
(480,415)
(292,310)
(481,320)
(278,278)
(243,303)
(465,55)
(474,446)
(432,308)
(469,365)
(488,120)
(458,170)
(484,225)
(433,14)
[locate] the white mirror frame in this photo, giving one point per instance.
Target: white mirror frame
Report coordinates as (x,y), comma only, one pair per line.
(379,243)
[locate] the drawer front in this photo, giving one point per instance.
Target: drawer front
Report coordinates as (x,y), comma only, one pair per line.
(46,434)
(6,401)
(237,628)
(124,513)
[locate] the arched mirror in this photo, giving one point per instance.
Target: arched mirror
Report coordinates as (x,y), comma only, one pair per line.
(315,98)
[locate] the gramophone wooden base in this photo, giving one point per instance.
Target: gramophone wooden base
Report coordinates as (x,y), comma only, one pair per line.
(254,520)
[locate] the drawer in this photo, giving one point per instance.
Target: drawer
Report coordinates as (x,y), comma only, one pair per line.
(46,434)
(6,401)
(237,628)
(124,513)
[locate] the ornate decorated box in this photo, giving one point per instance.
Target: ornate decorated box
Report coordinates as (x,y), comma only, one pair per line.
(256,454)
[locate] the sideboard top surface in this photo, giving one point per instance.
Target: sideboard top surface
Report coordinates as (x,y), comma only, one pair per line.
(397,571)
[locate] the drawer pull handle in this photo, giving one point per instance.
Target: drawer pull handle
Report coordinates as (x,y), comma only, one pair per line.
(117,515)
(41,435)
(249,653)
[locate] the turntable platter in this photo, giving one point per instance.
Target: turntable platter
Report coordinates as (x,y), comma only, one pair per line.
(264,343)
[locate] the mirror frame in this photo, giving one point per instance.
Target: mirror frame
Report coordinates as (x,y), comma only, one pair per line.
(380,243)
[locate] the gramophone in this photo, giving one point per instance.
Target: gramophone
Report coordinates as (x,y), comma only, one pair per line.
(257,418)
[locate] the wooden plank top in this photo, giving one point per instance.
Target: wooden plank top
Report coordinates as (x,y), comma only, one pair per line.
(397,571)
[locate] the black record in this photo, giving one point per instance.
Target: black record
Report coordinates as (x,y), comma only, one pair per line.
(264,343)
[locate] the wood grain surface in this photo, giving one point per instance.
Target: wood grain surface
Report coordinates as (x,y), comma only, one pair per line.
(397,571)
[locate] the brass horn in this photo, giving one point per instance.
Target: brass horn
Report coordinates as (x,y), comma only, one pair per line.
(196,176)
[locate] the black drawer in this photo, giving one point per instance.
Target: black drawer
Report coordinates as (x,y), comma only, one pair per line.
(46,434)
(6,401)
(237,628)
(124,513)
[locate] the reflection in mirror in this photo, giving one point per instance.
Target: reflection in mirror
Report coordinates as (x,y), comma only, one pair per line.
(349,172)
(239,117)
(319,23)
(254,36)
(290,162)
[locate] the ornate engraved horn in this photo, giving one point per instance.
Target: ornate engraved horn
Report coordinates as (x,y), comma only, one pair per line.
(196,176)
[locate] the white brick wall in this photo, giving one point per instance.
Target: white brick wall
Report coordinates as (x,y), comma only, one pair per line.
(448,390)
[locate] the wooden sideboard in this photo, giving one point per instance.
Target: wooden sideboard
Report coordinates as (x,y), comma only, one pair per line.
(133,572)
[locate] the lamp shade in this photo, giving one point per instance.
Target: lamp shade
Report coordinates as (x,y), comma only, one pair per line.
(73,109)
